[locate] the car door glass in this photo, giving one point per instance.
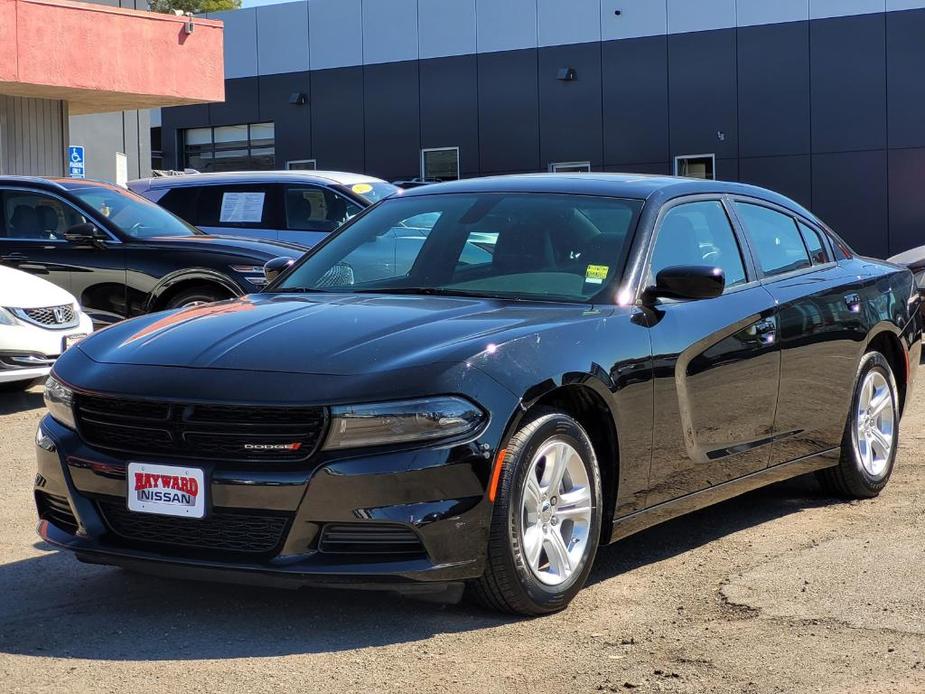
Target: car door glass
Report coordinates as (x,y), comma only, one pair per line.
(698,233)
(313,208)
(814,244)
(776,240)
(235,206)
(31,216)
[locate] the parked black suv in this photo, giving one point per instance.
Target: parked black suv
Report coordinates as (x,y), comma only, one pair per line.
(120,254)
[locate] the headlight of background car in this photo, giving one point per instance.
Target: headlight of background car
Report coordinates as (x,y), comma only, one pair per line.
(920,279)
(59,399)
(6,317)
(380,424)
(252,273)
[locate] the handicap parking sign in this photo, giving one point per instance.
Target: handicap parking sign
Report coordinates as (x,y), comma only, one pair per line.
(75,162)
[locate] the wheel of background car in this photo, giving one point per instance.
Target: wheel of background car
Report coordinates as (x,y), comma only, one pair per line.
(871,434)
(196,296)
(546,522)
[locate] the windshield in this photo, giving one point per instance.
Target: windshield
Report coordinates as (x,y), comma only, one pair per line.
(372,191)
(506,245)
(133,214)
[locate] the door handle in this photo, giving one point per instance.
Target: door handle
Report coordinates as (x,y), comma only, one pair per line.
(853,302)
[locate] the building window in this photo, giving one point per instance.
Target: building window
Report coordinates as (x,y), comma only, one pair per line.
(696,166)
(570,167)
(440,163)
(302,164)
(230,147)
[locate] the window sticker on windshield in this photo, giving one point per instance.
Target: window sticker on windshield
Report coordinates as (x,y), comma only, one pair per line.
(361,188)
(242,207)
(596,274)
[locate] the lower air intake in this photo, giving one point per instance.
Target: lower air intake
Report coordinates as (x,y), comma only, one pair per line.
(370,538)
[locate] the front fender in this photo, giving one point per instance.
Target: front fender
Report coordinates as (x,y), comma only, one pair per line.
(187,274)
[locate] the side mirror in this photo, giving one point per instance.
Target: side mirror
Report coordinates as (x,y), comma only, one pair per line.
(83,234)
(274,268)
(688,282)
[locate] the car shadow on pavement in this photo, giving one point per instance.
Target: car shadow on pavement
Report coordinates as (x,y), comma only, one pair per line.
(53,606)
(22,401)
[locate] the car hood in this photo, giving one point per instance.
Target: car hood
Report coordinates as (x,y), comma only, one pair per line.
(334,334)
(19,289)
(264,250)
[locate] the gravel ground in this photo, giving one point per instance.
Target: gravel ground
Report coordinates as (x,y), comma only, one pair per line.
(782,590)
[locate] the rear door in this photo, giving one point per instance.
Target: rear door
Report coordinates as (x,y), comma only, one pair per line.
(821,327)
(716,361)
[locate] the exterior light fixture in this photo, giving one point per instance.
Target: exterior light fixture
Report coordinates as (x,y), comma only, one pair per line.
(567,74)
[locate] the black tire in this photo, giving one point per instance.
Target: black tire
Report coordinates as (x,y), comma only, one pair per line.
(850,479)
(509,584)
(18,386)
(203,294)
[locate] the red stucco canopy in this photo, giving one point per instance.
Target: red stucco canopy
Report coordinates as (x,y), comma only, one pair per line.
(100,58)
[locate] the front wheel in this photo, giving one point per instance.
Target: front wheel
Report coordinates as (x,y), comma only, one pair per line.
(546,523)
(196,296)
(871,435)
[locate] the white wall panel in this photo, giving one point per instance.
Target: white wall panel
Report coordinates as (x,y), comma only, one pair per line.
(893,5)
(240,42)
(568,21)
(702,15)
(446,27)
(390,30)
(752,12)
(335,30)
(505,26)
(282,38)
(820,9)
(636,18)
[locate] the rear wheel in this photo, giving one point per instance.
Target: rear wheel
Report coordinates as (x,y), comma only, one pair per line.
(547,519)
(871,435)
(196,296)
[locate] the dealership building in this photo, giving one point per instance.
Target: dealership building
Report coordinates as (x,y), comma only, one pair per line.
(823,100)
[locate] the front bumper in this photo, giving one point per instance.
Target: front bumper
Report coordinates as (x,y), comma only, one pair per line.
(28,352)
(437,493)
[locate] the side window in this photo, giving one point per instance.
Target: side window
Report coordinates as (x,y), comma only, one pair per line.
(241,206)
(698,233)
(182,202)
(814,244)
(775,237)
(36,217)
(313,208)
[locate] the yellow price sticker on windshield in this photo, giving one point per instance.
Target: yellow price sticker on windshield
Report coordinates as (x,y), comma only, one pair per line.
(596,274)
(361,188)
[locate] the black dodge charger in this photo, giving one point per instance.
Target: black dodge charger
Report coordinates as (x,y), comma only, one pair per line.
(562,361)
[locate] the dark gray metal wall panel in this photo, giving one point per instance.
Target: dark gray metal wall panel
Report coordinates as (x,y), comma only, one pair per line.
(240,105)
(907,204)
(727,169)
(570,112)
(790,175)
(848,83)
(393,133)
(905,62)
(774,96)
(450,107)
(509,137)
(635,100)
(850,195)
(337,118)
(657,168)
(702,93)
(292,121)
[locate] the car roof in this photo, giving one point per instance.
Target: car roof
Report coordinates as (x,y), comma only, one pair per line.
(219,178)
(619,185)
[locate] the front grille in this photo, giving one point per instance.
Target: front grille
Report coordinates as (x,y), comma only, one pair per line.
(232,433)
(221,530)
(369,538)
(57,511)
(63,316)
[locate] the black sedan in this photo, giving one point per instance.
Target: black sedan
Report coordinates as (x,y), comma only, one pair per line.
(120,254)
(566,361)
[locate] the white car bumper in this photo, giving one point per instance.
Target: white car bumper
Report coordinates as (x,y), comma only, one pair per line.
(28,351)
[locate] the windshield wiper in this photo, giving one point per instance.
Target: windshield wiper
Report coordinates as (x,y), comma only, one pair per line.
(296,290)
(432,291)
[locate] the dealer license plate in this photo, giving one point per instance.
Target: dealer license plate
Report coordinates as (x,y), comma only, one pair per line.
(167,490)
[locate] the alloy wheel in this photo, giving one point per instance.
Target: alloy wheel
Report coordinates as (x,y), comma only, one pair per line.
(875,424)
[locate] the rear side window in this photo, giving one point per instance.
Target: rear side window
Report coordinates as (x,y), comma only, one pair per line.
(814,244)
(698,233)
(237,206)
(182,202)
(775,239)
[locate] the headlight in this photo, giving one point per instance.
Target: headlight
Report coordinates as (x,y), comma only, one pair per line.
(59,399)
(6,317)
(920,279)
(381,424)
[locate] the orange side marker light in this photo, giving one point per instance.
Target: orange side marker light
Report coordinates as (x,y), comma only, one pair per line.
(496,475)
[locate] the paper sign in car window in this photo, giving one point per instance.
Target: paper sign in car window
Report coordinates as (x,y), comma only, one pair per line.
(242,207)
(596,274)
